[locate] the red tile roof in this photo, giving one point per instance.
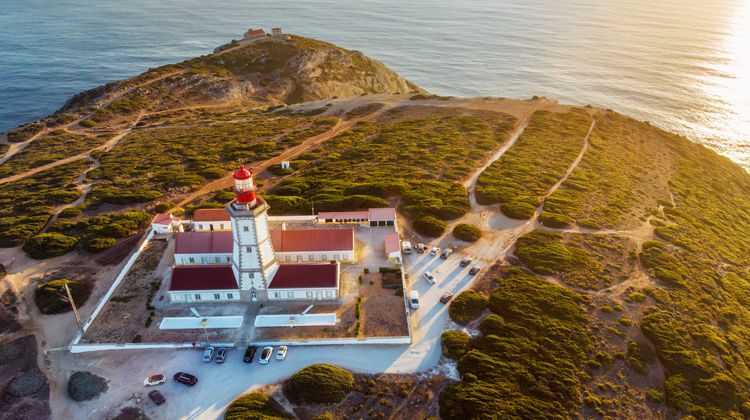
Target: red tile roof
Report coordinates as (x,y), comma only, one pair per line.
(391,242)
(203,242)
(296,276)
(211,215)
(202,277)
(164,219)
(312,240)
(387,213)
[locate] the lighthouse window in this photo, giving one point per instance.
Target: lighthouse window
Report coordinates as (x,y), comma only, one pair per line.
(246,228)
(251,275)
(249,249)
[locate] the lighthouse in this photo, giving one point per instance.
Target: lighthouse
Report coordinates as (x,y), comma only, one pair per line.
(253,259)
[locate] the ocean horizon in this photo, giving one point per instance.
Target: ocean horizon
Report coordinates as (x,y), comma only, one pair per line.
(683,66)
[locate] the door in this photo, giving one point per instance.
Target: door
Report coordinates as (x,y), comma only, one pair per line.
(253,296)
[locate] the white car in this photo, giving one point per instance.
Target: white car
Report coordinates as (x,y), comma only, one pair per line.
(406,245)
(429,277)
(265,355)
(155,380)
(281,353)
(208,354)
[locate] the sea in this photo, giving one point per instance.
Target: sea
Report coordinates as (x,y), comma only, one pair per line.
(683,65)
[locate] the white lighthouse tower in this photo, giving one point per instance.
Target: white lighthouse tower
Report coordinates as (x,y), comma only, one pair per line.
(253,259)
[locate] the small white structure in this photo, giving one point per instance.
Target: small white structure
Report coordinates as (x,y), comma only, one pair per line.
(166,223)
(285,164)
(295,320)
(205,220)
(209,322)
(392,247)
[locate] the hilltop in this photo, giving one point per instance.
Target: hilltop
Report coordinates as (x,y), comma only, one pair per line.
(615,279)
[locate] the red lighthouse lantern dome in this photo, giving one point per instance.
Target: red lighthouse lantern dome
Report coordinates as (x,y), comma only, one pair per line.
(244,186)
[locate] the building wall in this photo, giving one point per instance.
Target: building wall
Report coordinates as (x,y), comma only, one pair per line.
(217,226)
(195,296)
(202,259)
(303,294)
(346,255)
(161,228)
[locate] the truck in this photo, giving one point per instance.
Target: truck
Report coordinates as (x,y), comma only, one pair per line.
(414,299)
(406,245)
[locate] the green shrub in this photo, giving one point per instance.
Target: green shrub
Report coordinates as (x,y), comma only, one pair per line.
(654,396)
(467,232)
(48,245)
(555,220)
(163,207)
(98,243)
(467,306)
(212,173)
(83,386)
(50,297)
(429,226)
(87,123)
(516,209)
(115,230)
(454,343)
(224,196)
(542,252)
(319,383)
(69,212)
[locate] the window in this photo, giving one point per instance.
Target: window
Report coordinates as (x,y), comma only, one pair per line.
(310,294)
(246,228)
(329,293)
(229,259)
(346,257)
(277,295)
(324,257)
(218,259)
(288,257)
(299,257)
(336,257)
(217,296)
(251,275)
(290,294)
(249,249)
(191,259)
(197,296)
(230,296)
(221,226)
(311,258)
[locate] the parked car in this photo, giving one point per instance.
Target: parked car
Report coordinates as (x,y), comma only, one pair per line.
(406,245)
(208,354)
(185,378)
(420,248)
(434,251)
(447,296)
(249,354)
(474,270)
(447,253)
(414,299)
(221,355)
(155,380)
(465,262)
(156,397)
(265,356)
(281,353)
(429,277)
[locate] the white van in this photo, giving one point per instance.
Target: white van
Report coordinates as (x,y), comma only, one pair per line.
(407,247)
(414,299)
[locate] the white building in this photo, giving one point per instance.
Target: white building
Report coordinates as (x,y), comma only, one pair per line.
(166,223)
(205,220)
(370,217)
(203,248)
(251,271)
(313,245)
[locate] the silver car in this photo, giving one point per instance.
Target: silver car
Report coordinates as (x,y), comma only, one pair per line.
(429,277)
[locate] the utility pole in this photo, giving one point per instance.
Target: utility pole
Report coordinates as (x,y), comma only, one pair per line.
(75,310)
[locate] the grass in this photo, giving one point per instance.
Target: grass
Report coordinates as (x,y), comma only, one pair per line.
(26,204)
(538,159)
(525,363)
(417,159)
(620,177)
